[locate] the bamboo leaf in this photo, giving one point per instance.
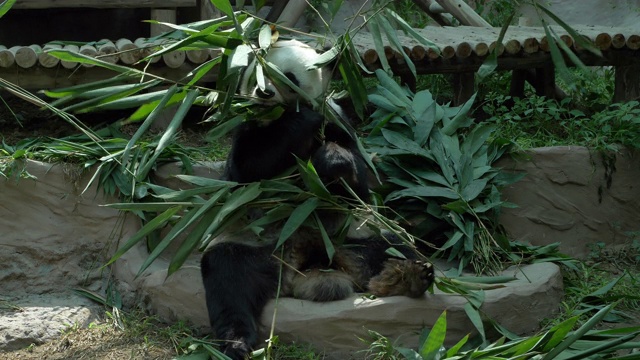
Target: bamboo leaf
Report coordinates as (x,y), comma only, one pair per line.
(423,191)
(574,34)
(328,245)
(392,36)
(461,119)
(147,123)
(149,227)
(474,315)
(236,201)
(579,333)
(297,218)
(169,133)
(430,349)
(5,6)
(374,28)
(192,240)
(264,37)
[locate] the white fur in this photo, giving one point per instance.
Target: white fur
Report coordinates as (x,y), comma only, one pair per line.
(290,56)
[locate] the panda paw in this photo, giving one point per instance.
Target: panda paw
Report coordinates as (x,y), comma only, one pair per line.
(403,277)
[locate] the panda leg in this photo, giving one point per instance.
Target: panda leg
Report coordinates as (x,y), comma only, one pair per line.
(238,281)
(383,275)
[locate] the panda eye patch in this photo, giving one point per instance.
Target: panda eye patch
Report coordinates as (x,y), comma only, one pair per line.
(292,78)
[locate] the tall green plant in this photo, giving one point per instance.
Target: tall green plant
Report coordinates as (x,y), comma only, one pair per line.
(438,168)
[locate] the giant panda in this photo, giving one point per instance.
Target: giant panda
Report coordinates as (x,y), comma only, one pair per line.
(241,274)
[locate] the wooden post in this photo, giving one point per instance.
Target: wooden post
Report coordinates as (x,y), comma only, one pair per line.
(129,53)
(162,15)
(627,83)
(463,87)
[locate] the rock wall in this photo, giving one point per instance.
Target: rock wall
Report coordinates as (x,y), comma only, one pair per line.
(574,196)
(53,238)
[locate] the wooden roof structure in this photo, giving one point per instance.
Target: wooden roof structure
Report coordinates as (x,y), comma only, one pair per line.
(460,50)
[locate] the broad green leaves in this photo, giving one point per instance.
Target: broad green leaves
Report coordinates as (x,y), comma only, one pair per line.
(433,154)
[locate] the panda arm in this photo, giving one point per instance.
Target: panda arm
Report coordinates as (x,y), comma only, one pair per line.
(262,152)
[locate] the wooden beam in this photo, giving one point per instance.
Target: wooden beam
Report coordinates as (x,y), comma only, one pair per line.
(463,13)
(101,4)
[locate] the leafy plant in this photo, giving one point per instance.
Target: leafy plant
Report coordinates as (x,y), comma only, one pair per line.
(438,168)
(559,342)
(537,121)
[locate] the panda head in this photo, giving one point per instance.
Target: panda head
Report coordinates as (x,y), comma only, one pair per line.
(292,58)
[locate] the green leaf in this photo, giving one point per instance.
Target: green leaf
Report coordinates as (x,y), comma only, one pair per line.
(328,245)
(423,191)
(205,181)
(474,315)
(5,6)
(392,36)
(471,191)
(185,221)
(559,332)
(430,349)
(147,123)
(461,119)
(402,142)
(593,321)
(149,227)
(169,134)
(574,34)
(264,37)
(374,28)
(236,201)
(297,218)
(455,349)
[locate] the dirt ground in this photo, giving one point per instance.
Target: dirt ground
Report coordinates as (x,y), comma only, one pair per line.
(102,342)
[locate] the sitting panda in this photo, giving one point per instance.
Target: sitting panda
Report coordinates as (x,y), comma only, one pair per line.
(240,273)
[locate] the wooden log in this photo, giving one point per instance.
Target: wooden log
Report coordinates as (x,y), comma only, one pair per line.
(174,59)
(104,4)
(162,15)
(480,48)
(618,41)
(26,56)
(531,45)
(128,52)
(633,42)
(418,53)
(448,52)
(107,51)
(463,13)
(463,50)
(70,64)
(90,51)
(544,42)
(147,48)
(7,59)
(603,41)
(198,56)
(46,60)
(512,47)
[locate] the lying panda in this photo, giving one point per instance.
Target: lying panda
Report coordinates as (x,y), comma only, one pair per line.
(241,274)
